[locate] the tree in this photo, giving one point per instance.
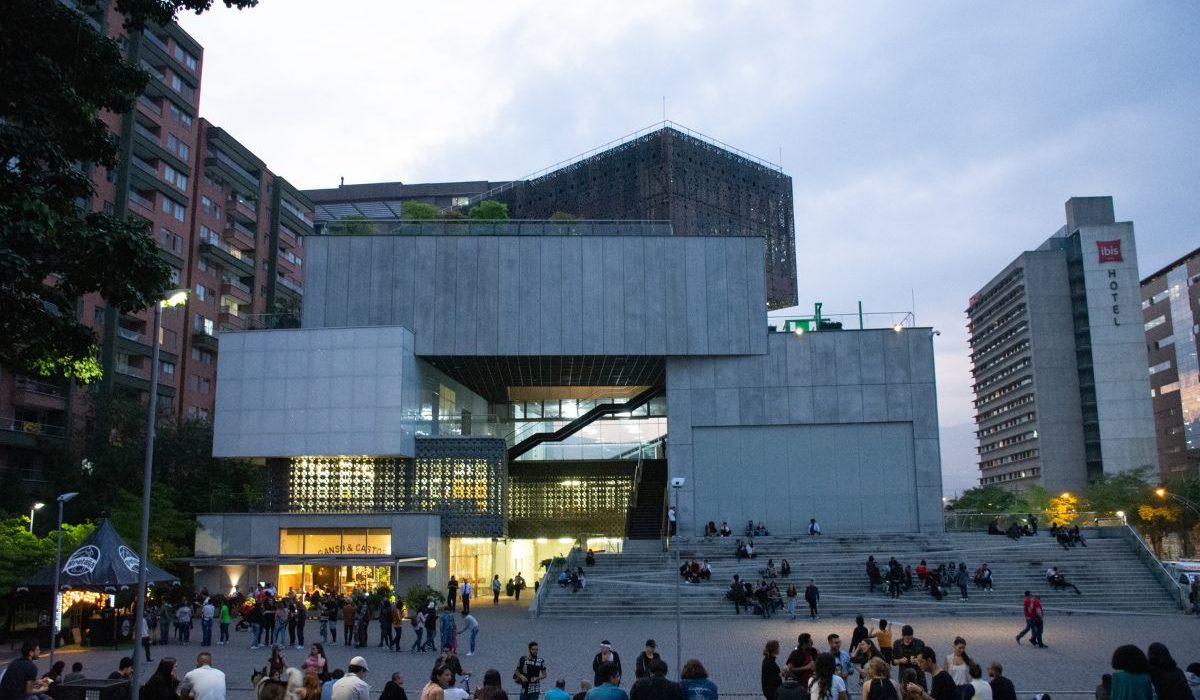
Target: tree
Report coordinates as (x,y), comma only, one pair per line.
(1063,508)
(419,211)
(489,210)
(984,499)
(355,225)
(1124,491)
(563,216)
(22,554)
(56,75)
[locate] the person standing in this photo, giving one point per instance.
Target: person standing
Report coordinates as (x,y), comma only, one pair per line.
(452,593)
(641,669)
(611,689)
(694,680)
(800,662)
(495,590)
(470,623)
(223,619)
(352,686)
(962,579)
(941,684)
(184,617)
(449,629)
(301,620)
(431,617)
(465,591)
(207,613)
(770,678)
(394,689)
(331,616)
(348,614)
(165,617)
(825,683)
(418,623)
(531,671)
(203,682)
(656,686)
(811,596)
(605,656)
(672,522)
(385,624)
(144,634)
(397,624)
(904,653)
(792,594)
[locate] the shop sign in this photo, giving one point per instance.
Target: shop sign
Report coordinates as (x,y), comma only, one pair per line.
(352,548)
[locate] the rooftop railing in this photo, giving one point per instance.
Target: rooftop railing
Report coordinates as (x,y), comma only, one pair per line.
(31,427)
(513,227)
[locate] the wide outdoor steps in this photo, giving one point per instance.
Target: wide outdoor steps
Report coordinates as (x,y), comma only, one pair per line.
(641,582)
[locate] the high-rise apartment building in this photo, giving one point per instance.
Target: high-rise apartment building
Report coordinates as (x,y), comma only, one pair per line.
(1058,354)
(1171,311)
(666,174)
(230,230)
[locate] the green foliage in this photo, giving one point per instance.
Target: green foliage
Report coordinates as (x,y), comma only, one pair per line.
(489,210)
(563,216)
(984,499)
(453,215)
(419,211)
(356,225)
(57,74)
(419,595)
(1113,492)
(23,554)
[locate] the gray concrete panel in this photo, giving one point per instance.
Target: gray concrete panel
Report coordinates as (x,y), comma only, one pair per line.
(899,402)
(896,360)
(704,411)
(654,298)
(728,407)
(613,298)
(848,349)
(874,403)
(633,271)
(592,292)
(737,289)
(826,404)
(800,405)
(423,324)
(466,313)
(509,296)
(381,272)
(777,409)
(549,311)
(824,358)
(872,358)
(359,288)
(696,279)
(850,403)
(530,330)
(572,296)
(752,408)
(675,298)
(404,274)
(313,310)
(679,412)
(716,260)
(487,322)
(445,292)
(757,291)
(337,288)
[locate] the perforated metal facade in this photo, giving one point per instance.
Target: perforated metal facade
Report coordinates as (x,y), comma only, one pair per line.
(569,498)
(667,175)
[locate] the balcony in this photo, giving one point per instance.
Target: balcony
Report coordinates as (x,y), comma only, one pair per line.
(235,290)
(147,145)
(286,262)
(244,209)
(202,339)
(288,236)
(291,214)
(241,264)
(130,334)
(137,198)
(158,48)
(241,234)
(131,371)
(150,106)
(231,320)
(291,285)
(25,433)
(224,168)
(31,393)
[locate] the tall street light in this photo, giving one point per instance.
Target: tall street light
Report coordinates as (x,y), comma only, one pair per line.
(36,507)
(676,484)
(56,598)
(1162,492)
(175,297)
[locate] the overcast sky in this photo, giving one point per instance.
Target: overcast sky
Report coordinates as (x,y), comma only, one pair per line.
(929,142)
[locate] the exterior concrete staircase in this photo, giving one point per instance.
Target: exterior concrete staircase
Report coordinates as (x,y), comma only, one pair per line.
(641,581)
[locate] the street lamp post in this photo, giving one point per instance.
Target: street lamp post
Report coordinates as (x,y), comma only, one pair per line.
(54,597)
(174,297)
(36,507)
(1162,492)
(676,484)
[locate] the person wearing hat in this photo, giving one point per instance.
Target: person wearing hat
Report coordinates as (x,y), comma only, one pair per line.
(352,686)
(642,667)
(606,655)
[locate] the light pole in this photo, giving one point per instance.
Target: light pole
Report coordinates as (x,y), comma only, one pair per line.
(676,484)
(1162,492)
(54,598)
(175,297)
(36,507)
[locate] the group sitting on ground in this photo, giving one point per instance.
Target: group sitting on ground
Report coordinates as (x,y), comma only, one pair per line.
(759,530)
(784,570)
(576,579)
(1016,530)
(983,577)
(1059,582)
(1067,536)
(744,549)
(695,572)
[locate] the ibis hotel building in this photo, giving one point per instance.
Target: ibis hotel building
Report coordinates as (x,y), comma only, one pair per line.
(469,398)
(1062,395)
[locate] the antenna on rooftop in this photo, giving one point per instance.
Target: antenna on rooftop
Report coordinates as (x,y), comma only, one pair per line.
(342,181)
(664,108)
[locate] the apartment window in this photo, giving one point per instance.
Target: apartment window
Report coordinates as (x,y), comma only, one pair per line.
(176,178)
(178,146)
(210,207)
(1165,389)
(203,293)
(176,83)
(207,235)
(201,385)
(98,316)
(197,413)
(110,174)
(203,357)
(175,276)
(170,206)
(202,265)
(203,325)
(1155,322)
(169,337)
(168,240)
(168,368)
(186,58)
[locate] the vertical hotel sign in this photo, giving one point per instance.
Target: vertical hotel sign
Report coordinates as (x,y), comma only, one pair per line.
(1110,252)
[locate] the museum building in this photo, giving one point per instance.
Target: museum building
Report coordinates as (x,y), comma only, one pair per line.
(470,398)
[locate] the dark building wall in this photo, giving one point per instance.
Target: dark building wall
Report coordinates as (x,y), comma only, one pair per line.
(701,188)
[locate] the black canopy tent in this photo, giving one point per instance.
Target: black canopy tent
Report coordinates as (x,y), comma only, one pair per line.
(102,563)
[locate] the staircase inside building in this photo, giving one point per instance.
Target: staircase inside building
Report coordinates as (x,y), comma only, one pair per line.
(646,512)
(1108,571)
(562,433)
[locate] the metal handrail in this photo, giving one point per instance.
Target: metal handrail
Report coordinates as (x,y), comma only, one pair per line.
(1147,555)
(958,521)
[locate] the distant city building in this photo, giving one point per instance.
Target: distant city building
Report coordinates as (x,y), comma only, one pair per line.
(670,174)
(1171,308)
(1058,355)
(230,230)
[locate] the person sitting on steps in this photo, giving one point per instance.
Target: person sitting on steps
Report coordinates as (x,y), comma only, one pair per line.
(1059,582)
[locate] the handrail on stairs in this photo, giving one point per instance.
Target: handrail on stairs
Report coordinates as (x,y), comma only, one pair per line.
(1177,592)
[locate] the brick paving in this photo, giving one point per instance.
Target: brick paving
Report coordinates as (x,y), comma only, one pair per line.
(1079,647)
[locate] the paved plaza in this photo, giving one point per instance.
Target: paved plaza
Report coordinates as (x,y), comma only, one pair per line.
(1079,647)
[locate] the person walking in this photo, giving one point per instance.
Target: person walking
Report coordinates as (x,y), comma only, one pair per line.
(418,623)
(495,590)
(471,624)
(331,617)
(770,677)
(605,657)
(811,596)
(1038,615)
(962,579)
(452,593)
(791,600)
(465,591)
(385,624)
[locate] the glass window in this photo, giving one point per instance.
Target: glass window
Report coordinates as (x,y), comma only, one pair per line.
(570,408)
(518,410)
(379,541)
(550,409)
(533,409)
(323,542)
(291,541)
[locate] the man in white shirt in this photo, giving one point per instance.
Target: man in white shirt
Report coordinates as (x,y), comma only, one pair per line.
(352,686)
(203,682)
(207,613)
(465,592)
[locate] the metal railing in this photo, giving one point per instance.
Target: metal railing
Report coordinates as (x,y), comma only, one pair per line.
(150,105)
(297,211)
(291,284)
(32,427)
(231,164)
(508,227)
(39,387)
(137,198)
(956,521)
(1178,592)
(130,334)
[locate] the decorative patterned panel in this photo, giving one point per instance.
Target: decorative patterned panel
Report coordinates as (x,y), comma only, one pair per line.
(566,499)
(340,484)
(464,480)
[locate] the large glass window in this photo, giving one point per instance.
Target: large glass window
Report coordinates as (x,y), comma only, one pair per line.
(350,541)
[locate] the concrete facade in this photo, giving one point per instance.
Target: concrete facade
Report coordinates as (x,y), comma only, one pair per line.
(545,295)
(1058,348)
(772,436)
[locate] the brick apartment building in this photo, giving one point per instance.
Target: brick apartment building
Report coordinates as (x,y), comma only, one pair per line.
(231,230)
